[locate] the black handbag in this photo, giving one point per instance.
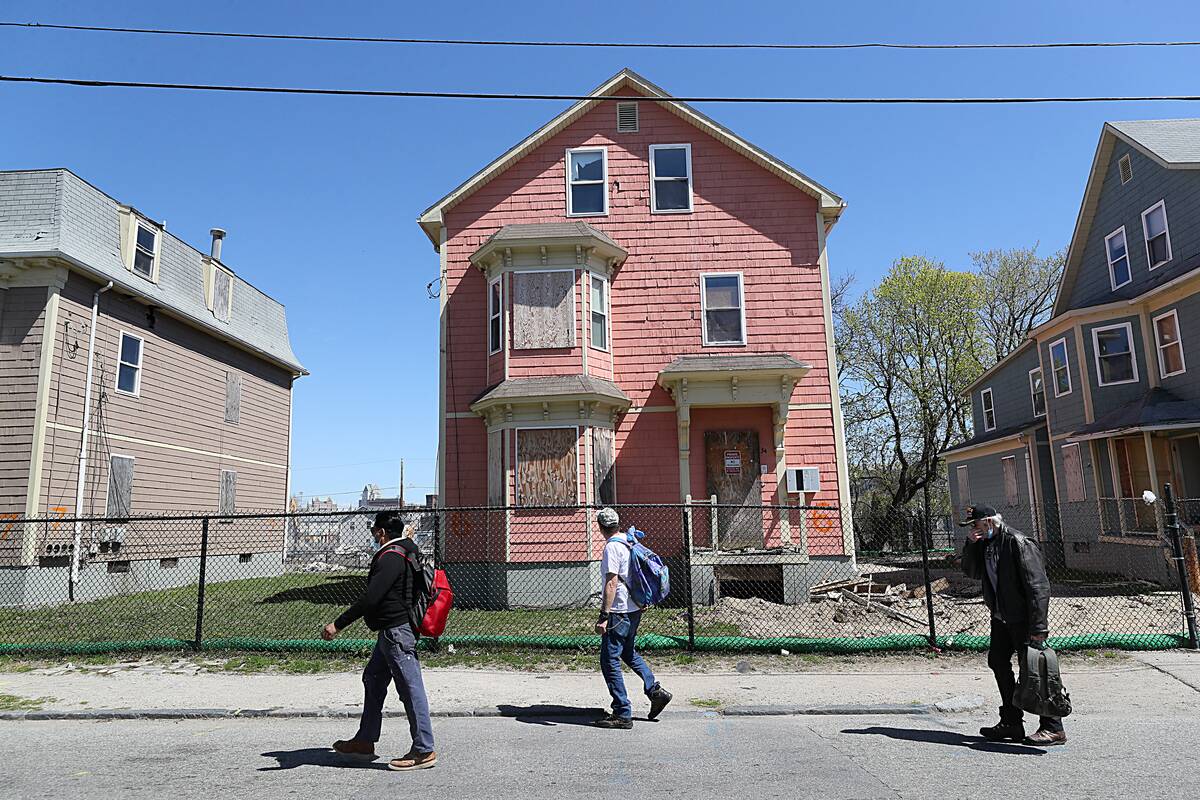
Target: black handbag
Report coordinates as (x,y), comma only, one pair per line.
(1040,689)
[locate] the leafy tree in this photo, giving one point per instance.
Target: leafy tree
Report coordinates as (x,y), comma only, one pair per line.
(1018,291)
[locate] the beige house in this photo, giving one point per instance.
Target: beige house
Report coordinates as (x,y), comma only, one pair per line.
(188,406)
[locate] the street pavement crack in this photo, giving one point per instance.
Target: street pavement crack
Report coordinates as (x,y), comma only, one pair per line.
(1170,674)
(857,762)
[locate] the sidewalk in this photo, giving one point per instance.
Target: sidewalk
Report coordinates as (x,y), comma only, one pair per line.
(1152,682)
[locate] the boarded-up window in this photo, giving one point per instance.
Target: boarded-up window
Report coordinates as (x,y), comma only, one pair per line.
(964,486)
(546,467)
(233,397)
(222,295)
(496,468)
(1073,467)
(228,499)
(120,487)
(1009,464)
(543,310)
(603,457)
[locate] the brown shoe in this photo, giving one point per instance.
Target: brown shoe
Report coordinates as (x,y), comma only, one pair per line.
(413,761)
(355,747)
(1045,738)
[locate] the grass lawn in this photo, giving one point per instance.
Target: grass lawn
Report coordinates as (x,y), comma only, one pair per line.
(286,607)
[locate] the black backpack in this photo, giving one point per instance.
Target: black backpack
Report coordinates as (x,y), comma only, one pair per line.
(1040,690)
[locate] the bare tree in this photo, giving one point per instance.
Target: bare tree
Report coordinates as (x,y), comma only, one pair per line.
(1018,292)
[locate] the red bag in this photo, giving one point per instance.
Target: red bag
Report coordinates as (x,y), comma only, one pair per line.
(440,602)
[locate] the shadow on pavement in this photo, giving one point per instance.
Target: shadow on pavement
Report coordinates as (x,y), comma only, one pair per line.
(551,715)
(950,738)
(318,757)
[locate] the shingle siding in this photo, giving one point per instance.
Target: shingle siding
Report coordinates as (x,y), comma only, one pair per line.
(1123,205)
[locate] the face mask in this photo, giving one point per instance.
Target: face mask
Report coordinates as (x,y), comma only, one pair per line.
(990,533)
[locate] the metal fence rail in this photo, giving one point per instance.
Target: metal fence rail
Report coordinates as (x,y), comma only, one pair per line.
(744,578)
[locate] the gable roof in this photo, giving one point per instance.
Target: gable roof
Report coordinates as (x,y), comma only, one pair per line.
(431,219)
(1172,143)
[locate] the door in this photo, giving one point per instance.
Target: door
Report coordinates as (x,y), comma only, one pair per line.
(1187,459)
(731,467)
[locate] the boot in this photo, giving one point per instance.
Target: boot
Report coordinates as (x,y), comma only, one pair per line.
(659,697)
(1007,730)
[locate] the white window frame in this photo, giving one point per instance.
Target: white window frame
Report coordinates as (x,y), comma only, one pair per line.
(1146,234)
(1159,346)
(571,212)
(137,383)
(988,403)
(1066,366)
(704,309)
(498,280)
(1033,394)
(1128,327)
(135,248)
(607,312)
(516,442)
(1112,276)
(687,157)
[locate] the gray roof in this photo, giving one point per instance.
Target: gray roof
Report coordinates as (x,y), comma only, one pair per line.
(1175,141)
(55,213)
(550,230)
(1157,407)
(996,435)
(552,386)
(750,362)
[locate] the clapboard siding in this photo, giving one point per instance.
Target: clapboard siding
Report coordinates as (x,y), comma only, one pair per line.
(1111,397)
(1011,398)
(22,315)
(1186,384)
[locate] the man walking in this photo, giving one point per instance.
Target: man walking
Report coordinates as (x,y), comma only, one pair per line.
(384,606)
(1017,592)
(617,626)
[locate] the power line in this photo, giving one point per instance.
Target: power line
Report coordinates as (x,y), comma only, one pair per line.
(304,90)
(623,45)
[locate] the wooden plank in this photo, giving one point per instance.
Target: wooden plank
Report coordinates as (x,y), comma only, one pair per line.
(603,457)
(871,605)
(543,310)
(546,466)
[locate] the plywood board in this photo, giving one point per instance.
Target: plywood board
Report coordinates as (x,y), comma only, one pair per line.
(543,310)
(546,466)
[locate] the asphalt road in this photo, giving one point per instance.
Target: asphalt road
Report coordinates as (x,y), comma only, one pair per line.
(684,755)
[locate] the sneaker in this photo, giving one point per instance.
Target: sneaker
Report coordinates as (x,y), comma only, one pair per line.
(411,761)
(613,722)
(355,747)
(659,697)
(1045,738)
(1004,732)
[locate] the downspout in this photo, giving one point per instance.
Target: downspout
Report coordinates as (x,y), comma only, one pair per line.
(83,440)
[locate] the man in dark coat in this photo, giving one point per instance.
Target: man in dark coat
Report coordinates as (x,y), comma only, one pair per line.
(1017,592)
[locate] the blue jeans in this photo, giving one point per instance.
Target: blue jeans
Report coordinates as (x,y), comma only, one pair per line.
(616,646)
(395,658)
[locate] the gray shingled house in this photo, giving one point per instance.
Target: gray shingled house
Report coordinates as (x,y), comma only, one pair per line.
(1099,405)
(188,409)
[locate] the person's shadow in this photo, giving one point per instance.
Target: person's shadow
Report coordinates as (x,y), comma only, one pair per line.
(948,737)
(550,715)
(318,757)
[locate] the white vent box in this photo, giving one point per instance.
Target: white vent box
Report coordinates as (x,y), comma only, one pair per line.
(803,479)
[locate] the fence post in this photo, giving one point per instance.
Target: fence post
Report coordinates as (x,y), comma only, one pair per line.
(687,557)
(925,535)
(437,539)
(200,587)
(1171,519)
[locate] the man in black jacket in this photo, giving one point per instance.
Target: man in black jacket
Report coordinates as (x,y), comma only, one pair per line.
(1017,592)
(384,606)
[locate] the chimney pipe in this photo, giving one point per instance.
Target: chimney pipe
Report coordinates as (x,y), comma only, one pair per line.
(217,235)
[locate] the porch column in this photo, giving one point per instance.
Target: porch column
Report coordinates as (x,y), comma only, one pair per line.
(781,495)
(683,414)
(1153,468)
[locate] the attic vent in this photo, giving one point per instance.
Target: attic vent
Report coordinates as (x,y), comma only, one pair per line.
(627,117)
(1126,169)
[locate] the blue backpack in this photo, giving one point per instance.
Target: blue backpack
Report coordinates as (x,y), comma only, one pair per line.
(649,578)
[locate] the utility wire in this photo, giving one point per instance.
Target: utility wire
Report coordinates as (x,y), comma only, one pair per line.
(628,45)
(304,90)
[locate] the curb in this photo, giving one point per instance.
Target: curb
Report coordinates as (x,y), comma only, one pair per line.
(98,715)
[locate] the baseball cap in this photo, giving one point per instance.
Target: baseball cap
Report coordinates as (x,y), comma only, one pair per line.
(608,518)
(975,513)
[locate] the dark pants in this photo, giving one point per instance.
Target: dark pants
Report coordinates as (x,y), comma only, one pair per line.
(1008,641)
(395,659)
(617,646)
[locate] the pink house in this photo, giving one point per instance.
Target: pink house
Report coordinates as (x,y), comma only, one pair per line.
(635,310)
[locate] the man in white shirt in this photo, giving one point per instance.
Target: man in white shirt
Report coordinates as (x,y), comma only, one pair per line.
(617,626)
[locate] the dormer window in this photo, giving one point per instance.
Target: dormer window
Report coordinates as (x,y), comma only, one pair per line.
(218,291)
(141,244)
(145,251)
(587,181)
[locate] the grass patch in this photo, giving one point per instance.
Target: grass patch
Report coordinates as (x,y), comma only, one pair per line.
(11,702)
(705,702)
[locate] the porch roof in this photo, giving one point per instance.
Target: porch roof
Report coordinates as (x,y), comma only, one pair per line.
(995,436)
(730,365)
(553,387)
(1157,409)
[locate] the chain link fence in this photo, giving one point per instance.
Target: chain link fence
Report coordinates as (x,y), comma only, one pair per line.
(743,578)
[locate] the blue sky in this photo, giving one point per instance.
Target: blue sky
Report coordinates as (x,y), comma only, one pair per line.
(319,195)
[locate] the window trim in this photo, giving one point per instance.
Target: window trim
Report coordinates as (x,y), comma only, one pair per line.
(1158,346)
(499,279)
(137,383)
(991,401)
(1066,366)
(516,468)
(1128,326)
(138,224)
(607,312)
(1033,394)
(603,150)
(704,309)
(1166,230)
(687,150)
(1112,277)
